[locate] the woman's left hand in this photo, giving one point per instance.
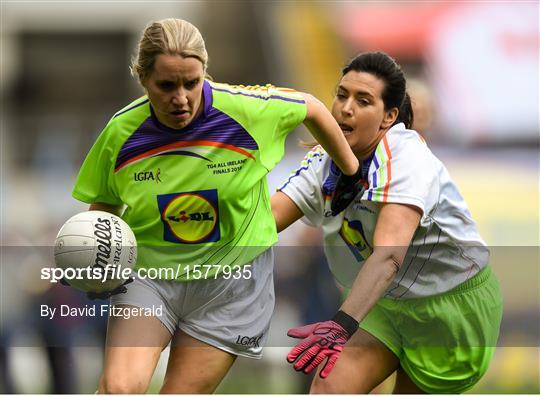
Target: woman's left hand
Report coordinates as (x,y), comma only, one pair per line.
(322,340)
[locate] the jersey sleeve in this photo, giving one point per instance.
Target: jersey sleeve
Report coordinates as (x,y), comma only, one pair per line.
(402,171)
(95,181)
(304,186)
(268,113)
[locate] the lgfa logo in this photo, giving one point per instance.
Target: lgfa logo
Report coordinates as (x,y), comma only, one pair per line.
(190,217)
(147,175)
(249,341)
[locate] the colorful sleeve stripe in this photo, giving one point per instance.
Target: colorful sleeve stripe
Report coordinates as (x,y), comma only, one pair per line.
(380,183)
(315,152)
(265,93)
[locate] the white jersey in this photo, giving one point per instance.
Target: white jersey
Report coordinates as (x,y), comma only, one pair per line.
(446,249)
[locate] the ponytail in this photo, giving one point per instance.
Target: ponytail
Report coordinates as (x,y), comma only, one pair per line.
(406,114)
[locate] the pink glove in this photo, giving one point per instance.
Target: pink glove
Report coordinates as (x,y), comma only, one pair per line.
(321,340)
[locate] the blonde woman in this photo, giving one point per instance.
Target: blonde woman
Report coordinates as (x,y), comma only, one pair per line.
(186,167)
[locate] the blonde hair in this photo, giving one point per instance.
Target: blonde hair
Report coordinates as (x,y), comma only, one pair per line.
(169,36)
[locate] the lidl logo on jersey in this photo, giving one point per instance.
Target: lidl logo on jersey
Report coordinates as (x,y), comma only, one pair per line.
(190,217)
(353,234)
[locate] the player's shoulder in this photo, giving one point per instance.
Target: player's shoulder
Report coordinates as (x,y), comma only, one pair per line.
(125,121)
(317,164)
(316,158)
(129,117)
(399,135)
(139,105)
(404,151)
(312,170)
(400,141)
(260,92)
(314,164)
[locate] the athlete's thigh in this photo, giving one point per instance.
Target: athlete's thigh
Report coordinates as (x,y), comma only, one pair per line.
(194,366)
(132,351)
(364,363)
(404,385)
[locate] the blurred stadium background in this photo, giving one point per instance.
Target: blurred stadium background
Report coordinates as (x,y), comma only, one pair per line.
(473,68)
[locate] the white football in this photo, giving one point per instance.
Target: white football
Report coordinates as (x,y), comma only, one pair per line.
(96,250)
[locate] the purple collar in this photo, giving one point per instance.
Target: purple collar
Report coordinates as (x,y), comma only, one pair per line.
(207,98)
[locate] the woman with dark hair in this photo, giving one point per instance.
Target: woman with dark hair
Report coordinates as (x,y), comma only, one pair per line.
(423,300)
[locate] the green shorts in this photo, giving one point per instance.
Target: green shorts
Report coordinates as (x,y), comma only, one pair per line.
(444,342)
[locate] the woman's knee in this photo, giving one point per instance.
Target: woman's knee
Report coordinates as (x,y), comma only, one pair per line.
(206,387)
(326,385)
(361,367)
(121,384)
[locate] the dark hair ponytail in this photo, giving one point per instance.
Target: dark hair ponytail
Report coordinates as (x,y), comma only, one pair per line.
(406,114)
(386,68)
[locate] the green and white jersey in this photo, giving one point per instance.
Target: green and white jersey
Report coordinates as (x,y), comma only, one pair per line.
(446,249)
(195,196)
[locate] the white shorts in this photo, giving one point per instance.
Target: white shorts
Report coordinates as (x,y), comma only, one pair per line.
(229,314)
